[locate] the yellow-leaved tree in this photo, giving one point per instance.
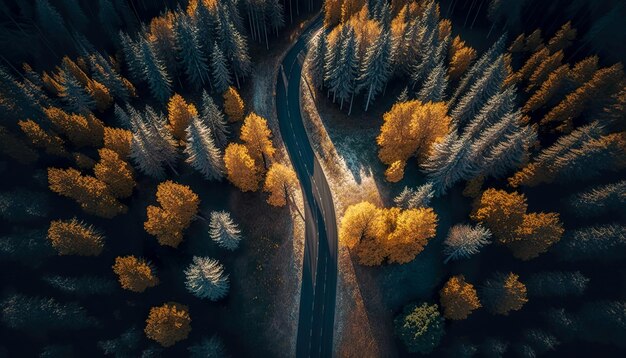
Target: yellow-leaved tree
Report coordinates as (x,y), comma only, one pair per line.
(116,173)
(410,129)
(256,136)
(280,183)
(73,237)
(179,115)
(377,234)
(134,274)
(178,207)
(458,298)
(233,105)
(168,324)
(241,168)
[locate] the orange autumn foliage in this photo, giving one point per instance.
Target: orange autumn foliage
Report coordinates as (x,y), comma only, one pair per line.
(233,105)
(118,140)
(43,139)
(241,168)
(134,274)
(168,324)
(178,207)
(92,194)
(179,115)
(72,237)
(116,173)
(458,298)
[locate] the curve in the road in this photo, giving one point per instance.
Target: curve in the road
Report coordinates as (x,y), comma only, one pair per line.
(319,273)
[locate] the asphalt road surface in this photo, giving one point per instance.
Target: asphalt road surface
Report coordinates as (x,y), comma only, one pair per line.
(319,274)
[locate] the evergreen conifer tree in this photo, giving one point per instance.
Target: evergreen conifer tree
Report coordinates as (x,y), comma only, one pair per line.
(219,70)
(154,72)
(201,151)
(213,117)
(191,55)
(376,67)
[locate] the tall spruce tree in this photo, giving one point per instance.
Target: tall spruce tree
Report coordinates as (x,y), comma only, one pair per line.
(435,86)
(479,68)
(484,88)
(219,70)
(189,46)
(376,67)
(347,70)
(202,153)
(213,117)
(154,72)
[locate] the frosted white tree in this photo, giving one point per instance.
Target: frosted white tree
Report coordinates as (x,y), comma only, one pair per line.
(599,200)
(481,91)
(376,67)
(435,85)
(206,278)
(219,70)
(201,151)
(213,117)
(224,231)
(464,241)
(419,197)
(479,68)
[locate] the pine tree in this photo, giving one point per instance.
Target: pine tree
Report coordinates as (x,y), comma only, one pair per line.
(479,68)
(502,294)
(154,72)
(132,55)
(104,73)
(600,242)
(152,146)
(16,148)
(599,200)
(317,50)
(434,87)
(206,279)
(344,85)
(464,241)
(419,197)
(190,51)
(82,286)
(224,231)
(274,12)
(39,315)
(213,118)
(220,72)
(484,88)
(376,68)
(163,37)
(234,45)
(202,152)
(75,96)
(557,284)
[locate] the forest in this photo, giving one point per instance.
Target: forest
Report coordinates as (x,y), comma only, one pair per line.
(151,204)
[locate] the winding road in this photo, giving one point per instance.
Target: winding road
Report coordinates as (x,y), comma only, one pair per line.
(319,273)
